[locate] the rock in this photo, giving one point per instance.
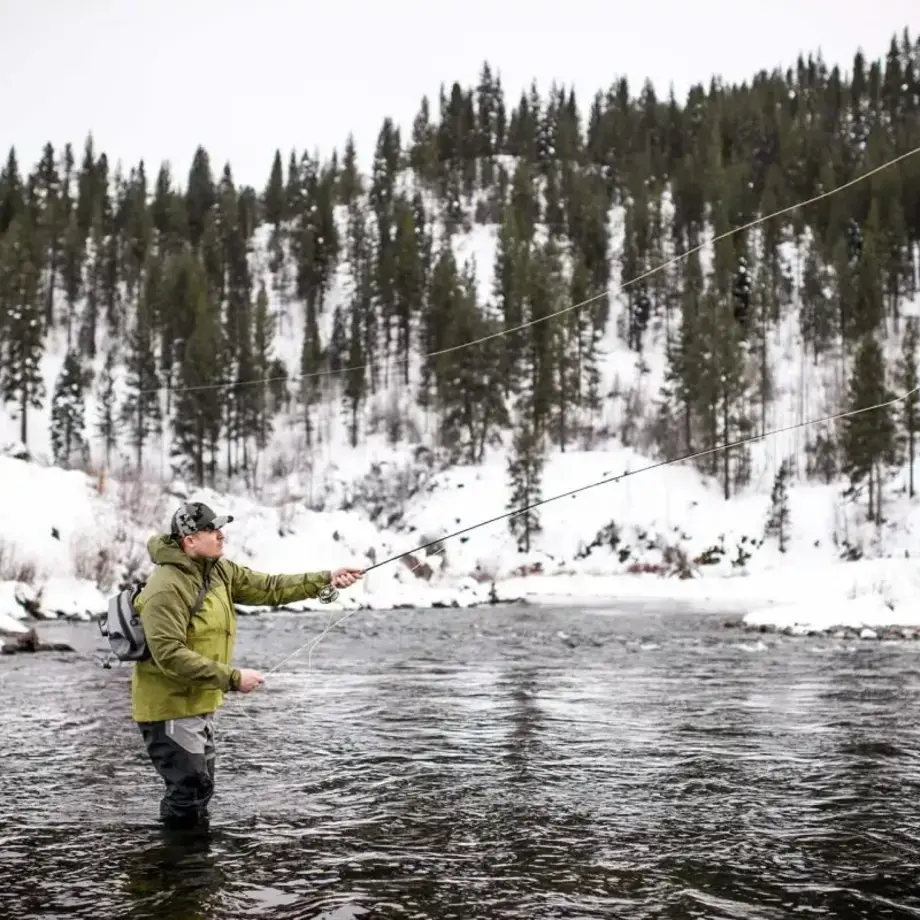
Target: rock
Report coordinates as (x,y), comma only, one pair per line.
(30,642)
(15,450)
(896,633)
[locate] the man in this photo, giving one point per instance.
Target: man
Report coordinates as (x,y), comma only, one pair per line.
(189,621)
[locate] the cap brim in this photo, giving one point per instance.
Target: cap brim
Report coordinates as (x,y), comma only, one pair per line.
(222,521)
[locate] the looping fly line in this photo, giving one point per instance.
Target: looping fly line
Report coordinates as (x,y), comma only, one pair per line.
(312,643)
(584,303)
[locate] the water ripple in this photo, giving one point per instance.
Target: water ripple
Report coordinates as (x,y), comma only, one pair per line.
(501,763)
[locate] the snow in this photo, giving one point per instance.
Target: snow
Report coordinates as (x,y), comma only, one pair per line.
(67,538)
(12,595)
(58,520)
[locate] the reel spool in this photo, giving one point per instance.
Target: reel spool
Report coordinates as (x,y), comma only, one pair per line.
(328,594)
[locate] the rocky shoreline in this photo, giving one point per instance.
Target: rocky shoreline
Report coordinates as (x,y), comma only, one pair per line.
(29,641)
(879,633)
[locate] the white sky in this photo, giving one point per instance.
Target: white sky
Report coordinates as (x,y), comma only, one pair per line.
(242,77)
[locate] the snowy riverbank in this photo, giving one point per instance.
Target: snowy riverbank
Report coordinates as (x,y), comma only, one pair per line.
(867,598)
(67,538)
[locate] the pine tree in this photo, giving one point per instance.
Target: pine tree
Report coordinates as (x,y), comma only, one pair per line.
(90,188)
(845,291)
(12,192)
(94,291)
(356,376)
(683,384)
(263,334)
(471,407)
(443,294)
(509,291)
(200,196)
(722,394)
(243,416)
(141,411)
(349,184)
(583,374)
(52,218)
(408,282)
(908,380)
(753,317)
(818,320)
(139,231)
(869,438)
(274,196)
(778,519)
(897,254)
(68,415)
(524,203)
(869,305)
(525,473)
(107,422)
(198,418)
(423,147)
(542,356)
(21,380)
(311,369)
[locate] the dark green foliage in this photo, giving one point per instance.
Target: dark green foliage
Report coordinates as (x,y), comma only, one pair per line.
(141,413)
(347,283)
(778,519)
(23,340)
(68,415)
(908,382)
(107,421)
(198,421)
(525,473)
(869,438)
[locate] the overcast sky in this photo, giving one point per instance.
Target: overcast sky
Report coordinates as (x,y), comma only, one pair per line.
(243,77)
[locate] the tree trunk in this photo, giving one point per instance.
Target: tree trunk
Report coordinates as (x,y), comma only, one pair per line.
(726,459)
(910,454)
(24,416)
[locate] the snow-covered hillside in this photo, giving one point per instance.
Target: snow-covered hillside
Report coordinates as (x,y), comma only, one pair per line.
(334,504)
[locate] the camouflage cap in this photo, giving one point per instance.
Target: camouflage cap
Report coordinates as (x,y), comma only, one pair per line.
(194,517)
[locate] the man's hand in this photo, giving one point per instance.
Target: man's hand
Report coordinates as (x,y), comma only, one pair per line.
(345,578)
(249,680)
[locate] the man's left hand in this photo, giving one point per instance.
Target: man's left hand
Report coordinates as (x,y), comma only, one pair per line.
(345,578)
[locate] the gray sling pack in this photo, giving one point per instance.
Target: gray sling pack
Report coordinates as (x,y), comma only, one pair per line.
(121,624)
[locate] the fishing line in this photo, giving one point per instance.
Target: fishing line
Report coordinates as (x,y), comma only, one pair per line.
(503,332)
(311,645)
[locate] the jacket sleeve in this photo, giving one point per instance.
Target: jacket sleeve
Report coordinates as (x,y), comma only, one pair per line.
(165,624)
(256,589)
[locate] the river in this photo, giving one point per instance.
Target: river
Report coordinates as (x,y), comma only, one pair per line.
(511,762)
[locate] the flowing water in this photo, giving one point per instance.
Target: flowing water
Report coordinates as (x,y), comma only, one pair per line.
(520,762)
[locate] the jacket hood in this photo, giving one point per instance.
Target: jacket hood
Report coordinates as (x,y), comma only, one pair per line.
(164,550)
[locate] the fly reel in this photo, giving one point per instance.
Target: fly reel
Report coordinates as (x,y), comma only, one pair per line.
(327,594)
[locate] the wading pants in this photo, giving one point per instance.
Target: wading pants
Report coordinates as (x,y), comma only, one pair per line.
(183,753)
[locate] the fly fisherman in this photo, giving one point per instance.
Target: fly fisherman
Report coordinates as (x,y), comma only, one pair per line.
(189,622)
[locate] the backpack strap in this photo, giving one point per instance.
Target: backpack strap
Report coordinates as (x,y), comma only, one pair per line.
(202,591)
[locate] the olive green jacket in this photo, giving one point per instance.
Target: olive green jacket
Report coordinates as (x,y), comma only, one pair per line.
(189,669)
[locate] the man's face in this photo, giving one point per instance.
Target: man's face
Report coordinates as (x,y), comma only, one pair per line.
(206,544)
